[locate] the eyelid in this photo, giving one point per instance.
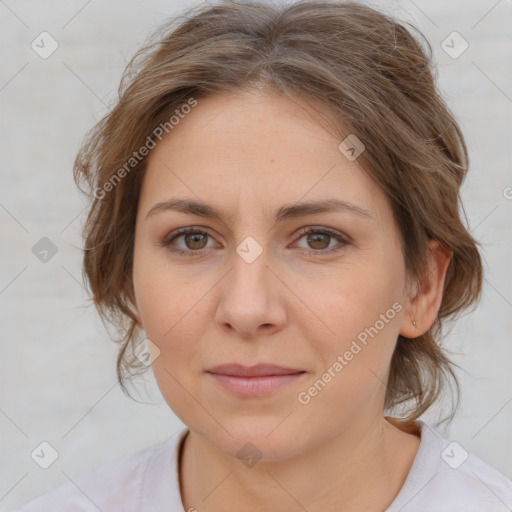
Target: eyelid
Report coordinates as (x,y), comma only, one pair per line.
(179,232)
(342,239)
(324,229)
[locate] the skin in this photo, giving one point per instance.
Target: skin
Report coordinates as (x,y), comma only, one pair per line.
(249,153)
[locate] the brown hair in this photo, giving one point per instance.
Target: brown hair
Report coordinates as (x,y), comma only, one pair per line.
(374,79)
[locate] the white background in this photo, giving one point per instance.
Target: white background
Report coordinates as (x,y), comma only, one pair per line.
(57,372)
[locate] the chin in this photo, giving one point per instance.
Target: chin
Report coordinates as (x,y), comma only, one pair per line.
(253,439)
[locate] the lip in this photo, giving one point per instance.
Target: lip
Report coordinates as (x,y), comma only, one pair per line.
(252,381)
(259,370)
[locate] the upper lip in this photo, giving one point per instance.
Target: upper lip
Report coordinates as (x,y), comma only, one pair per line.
(258,370)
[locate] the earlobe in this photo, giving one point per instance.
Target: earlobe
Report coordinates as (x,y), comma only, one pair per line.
(139,320)
(424,306)
(135,311)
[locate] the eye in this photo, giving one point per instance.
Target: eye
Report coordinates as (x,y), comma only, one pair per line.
(320,240)
(193,241)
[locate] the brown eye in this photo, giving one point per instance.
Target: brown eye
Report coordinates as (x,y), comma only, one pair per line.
(195,240)
(187,241)
(319,241)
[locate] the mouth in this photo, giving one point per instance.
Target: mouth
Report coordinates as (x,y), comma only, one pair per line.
(259,380)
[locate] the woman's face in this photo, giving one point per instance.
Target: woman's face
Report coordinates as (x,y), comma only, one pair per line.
(256,287)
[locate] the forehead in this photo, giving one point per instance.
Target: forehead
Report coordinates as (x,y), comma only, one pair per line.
(254,150)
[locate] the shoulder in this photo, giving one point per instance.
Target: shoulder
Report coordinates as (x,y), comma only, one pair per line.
(117,485)
(445,477)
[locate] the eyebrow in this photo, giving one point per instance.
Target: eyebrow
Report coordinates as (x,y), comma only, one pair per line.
(285,212)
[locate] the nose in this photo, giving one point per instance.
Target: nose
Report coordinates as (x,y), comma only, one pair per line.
(252,297)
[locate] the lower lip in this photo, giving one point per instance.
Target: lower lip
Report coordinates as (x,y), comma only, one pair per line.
(255,386)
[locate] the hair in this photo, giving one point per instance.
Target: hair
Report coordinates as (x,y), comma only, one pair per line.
(373,79)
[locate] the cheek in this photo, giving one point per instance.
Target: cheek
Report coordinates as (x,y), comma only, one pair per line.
(175,322)
(173,312)
(358,316)
(171,317)
(354,359)
(158,291)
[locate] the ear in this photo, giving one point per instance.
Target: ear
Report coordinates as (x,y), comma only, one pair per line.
(424,306)
(139,319)
(136,313)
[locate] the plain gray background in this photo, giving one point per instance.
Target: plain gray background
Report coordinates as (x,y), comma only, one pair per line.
(57,373)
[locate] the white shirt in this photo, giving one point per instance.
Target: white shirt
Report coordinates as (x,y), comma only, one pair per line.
(443,478)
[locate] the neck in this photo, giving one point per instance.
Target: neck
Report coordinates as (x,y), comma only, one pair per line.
(362,468)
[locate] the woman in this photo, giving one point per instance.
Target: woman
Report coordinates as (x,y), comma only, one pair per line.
(275,206)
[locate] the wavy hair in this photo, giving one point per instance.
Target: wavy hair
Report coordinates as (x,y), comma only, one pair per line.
(374,78)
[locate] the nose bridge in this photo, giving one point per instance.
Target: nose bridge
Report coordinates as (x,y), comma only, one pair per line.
(248,294)
(249,264)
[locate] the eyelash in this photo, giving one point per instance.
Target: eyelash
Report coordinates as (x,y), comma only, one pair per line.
(304,231)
